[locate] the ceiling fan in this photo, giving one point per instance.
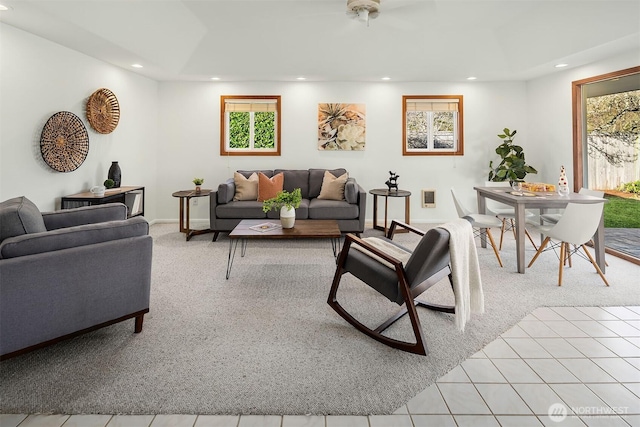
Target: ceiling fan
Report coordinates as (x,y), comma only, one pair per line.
(363,9)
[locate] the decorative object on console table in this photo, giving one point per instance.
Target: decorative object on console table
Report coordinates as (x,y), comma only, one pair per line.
(198,182)
(392,182)
(512,167)
(108,183)
(64,142)
(103,111)
(115,174)
(287,202)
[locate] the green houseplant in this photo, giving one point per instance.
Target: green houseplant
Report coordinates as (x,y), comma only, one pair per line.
(198,182)
(512,167)
(109,183)
(287,202)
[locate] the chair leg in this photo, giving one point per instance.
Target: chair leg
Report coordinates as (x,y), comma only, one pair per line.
(567,251)
(502,231)
(530,239)
(540,249)
(595,265)
(493,245)
(561,266)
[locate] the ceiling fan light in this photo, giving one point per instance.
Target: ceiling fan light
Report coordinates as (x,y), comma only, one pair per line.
(363,15)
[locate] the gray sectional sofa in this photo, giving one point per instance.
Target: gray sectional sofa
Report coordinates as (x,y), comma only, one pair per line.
(226,213)
(67,272)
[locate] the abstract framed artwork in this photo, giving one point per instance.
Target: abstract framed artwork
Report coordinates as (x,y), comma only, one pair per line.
(341,127)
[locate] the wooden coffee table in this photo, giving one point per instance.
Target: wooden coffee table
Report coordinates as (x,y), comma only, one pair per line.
(303,229)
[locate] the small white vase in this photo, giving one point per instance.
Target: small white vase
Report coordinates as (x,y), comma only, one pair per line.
(287,217)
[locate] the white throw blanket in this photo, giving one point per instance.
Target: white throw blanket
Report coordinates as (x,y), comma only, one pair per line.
(465,270)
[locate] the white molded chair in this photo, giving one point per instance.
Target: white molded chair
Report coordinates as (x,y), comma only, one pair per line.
(576,226)
(479,221)
(505,213)
(552,218)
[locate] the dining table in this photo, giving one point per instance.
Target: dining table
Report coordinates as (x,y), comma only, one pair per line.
(523,200)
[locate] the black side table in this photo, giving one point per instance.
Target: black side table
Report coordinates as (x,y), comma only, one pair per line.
(185,196)
(386,194)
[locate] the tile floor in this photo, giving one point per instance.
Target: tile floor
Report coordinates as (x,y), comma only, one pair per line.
(560,366)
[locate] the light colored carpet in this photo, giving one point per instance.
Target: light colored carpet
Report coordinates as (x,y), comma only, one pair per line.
(266,342)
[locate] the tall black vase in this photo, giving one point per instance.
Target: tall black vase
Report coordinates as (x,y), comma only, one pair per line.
(115,174)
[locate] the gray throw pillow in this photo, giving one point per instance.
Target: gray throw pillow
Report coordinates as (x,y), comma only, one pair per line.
(19,216)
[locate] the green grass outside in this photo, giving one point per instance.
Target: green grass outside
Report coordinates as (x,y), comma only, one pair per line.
(621,212)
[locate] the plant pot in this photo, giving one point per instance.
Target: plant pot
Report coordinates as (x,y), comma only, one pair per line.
(287,217)
(198,189)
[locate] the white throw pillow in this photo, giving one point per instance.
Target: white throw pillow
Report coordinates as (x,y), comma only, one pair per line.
(332,187)
(246,188)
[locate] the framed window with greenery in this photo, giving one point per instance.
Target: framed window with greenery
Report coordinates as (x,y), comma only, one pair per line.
(250,125)
(432,125)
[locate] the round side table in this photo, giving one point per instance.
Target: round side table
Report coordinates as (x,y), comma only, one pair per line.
(386,194)
(185,196)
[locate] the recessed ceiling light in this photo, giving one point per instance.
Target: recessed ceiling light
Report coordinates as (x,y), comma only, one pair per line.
(3,7)
(215,78)
(472,78)
(561,65)
(386,78)
(136,65)
(301,78)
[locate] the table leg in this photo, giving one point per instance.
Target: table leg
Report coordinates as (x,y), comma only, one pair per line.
(598,244)
(375,211)
(181,200)
(188,227)
(482,209)
(520,223)
(233,244)
(407,209)
(386,207)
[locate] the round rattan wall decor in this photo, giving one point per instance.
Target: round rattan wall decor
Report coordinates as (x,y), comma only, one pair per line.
(64,143)
(103,111)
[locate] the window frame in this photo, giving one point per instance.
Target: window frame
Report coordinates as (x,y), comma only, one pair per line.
(459,129)
(225,151)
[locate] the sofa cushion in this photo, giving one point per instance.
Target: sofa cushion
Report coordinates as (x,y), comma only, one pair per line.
(316,176)
(241,210)
(332,209)
(296,179)
(247,173)
(333,187)
(269,187)
(19,216)
(246,188)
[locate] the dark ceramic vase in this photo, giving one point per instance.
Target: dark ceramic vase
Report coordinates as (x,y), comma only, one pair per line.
(115,174)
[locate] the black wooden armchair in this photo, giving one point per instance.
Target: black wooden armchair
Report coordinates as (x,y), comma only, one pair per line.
(401,281)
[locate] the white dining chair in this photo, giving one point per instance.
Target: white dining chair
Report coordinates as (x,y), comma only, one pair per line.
(576,226)
(552,218)
(479,222)
(506,214)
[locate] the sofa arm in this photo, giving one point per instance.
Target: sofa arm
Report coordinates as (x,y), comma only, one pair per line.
(84,215)
(226,191)
(71,237)
(351,191)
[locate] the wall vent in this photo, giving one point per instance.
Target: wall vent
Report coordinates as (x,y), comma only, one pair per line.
(428,198)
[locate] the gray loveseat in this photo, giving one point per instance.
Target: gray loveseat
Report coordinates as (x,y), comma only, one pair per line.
(68,272)
(225,213)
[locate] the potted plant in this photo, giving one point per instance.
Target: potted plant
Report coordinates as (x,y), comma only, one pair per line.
(512,167)
(198,182)
(287,202)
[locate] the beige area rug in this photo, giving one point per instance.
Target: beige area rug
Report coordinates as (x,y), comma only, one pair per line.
(266,342)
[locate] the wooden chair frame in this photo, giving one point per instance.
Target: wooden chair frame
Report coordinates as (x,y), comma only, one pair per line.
(409,295)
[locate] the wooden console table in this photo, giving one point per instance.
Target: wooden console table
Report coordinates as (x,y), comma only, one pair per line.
(132,196)
(185,197)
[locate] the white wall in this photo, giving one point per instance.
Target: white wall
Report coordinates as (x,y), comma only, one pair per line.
(549,112)
(190,138)
(39,79)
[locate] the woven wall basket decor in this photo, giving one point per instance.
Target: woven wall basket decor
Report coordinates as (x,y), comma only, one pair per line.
(103,111)
(64,142)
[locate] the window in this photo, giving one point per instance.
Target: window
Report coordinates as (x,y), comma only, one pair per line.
(250,125)
(432,125)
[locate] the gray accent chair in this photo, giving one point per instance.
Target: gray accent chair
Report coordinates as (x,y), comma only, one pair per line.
(397,280)
(68,272)
(225,213)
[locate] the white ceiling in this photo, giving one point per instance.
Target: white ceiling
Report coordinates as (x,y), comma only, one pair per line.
(279,40)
